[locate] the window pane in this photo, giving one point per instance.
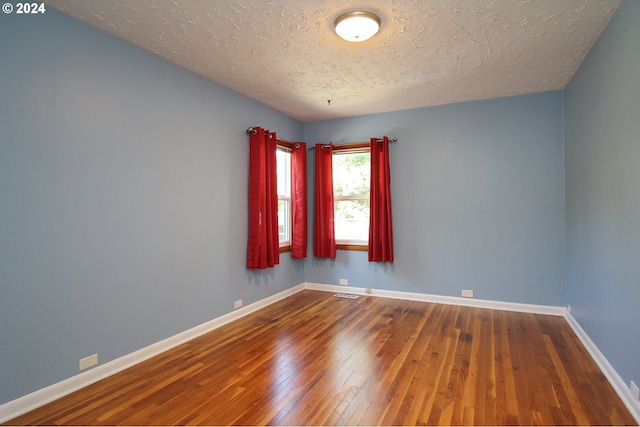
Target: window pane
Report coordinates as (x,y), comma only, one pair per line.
(283,160)
(284,213)
(352,221)
(351,174)
(351,180)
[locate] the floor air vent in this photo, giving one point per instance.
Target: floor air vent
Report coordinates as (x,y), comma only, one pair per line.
(347,296)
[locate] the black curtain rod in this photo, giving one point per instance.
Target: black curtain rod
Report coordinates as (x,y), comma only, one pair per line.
(296,144)
(392,140)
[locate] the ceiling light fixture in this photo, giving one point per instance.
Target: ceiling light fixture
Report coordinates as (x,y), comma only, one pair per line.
(357,26)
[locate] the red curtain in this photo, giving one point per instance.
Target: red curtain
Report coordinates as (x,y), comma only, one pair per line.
(324,240)
(299,200)
(380,229)
(263,249)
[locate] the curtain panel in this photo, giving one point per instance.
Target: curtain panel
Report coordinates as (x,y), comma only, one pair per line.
(380,224)
(299,200)
(324,241)
(263,249)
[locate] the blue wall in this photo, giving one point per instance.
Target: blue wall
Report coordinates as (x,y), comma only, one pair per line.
(602,119)
(122,199)
(478,197)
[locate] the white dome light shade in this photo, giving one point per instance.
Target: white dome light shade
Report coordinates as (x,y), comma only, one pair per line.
(357,26)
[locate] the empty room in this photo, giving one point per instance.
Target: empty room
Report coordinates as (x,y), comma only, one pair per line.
(246,212)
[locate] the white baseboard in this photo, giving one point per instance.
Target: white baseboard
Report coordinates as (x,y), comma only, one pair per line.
(439,299)
(48,394)
(55,391)
(612,375)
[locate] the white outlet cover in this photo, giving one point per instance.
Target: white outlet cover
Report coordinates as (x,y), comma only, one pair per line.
(88,362)
(635,392)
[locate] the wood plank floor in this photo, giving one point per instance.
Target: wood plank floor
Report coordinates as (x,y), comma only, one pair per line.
(314,359)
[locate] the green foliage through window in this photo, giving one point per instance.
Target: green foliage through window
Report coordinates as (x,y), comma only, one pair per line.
(351,180)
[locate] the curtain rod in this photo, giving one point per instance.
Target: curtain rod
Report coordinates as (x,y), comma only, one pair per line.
(392,140)
(312,147)
(296,144)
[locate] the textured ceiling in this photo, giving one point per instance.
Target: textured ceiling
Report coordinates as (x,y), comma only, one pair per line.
(285,54)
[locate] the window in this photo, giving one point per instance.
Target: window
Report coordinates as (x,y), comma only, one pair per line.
(283,159)
(351,183)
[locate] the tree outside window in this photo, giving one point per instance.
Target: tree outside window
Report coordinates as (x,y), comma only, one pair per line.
(351,183)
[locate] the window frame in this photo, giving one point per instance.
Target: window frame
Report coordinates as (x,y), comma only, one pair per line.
(342,149)
(286,147)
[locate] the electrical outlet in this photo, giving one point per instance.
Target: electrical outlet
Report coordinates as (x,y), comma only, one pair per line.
(467,293)
(237,304)
(88,362)
(569,309)
(635,392)
(367,290)
(344,282)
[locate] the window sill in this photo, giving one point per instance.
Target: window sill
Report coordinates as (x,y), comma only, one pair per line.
(344,247)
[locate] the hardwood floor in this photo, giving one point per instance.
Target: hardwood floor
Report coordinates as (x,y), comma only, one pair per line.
(314,359)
